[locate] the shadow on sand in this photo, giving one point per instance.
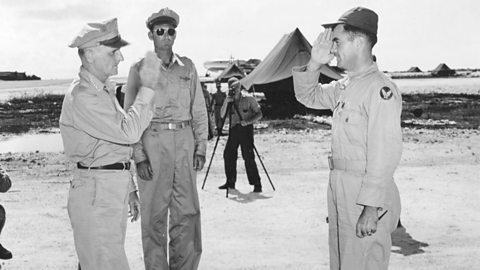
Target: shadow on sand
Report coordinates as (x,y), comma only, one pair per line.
(408,246)
(235,195)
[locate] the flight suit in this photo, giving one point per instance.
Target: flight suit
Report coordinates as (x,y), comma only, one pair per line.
(96,133)
(366,149)
(178,130)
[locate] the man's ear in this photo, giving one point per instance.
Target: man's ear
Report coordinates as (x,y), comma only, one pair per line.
(150,35)
(89,55)
(360,41)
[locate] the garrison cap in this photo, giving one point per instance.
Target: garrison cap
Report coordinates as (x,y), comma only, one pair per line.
(363,18)
(165,15)
(99,33)
(233,81)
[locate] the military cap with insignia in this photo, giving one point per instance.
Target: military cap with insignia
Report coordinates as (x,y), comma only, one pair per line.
(165,15)
(363,18)
(99,33)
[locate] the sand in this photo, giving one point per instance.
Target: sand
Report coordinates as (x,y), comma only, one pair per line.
(283,229)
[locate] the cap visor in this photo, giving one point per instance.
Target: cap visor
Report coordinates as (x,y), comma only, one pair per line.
(116,42)
(164,19)
(331,25)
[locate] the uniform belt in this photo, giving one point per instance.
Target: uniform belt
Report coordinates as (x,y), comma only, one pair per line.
(114,166)
(347,165)
(169,126)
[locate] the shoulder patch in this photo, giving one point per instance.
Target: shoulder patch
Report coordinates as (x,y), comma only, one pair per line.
(386,93)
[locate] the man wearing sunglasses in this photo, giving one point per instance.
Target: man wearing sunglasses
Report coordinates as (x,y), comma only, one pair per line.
(170,152)
(97,134)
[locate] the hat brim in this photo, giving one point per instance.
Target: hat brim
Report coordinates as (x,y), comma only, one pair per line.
(116,42)
(163,19)
(332,25)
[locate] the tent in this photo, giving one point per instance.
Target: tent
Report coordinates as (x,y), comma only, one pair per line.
(442,70)
(414,69)
(273,76)
(230,71)
(292,50)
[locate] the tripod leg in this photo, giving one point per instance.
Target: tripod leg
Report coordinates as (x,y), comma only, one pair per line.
(211,159)
(261,162)
(222,120)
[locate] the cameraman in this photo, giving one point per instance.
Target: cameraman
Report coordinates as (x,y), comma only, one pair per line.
(240,133)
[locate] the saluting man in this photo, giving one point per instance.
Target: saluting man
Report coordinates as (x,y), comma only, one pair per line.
(366,141)
(97,134)
(170,152)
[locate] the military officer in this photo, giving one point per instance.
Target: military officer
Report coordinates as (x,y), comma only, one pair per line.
(366,141)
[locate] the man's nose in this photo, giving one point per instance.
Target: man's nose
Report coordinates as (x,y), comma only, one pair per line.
(333,50)
(119,56)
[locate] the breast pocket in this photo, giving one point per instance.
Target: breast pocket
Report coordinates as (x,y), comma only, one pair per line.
(184,96)
(355,125)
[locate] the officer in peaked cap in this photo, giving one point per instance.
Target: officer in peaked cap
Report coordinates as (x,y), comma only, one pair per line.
(102,33)
(170,153)
(165,15)
(97,134)
(363,199)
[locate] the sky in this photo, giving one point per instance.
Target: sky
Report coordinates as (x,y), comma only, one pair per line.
(35,34)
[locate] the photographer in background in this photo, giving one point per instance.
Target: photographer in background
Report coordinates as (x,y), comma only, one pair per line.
(243,112)
(5,184)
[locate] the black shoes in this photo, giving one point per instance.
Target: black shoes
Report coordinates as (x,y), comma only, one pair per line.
(226,185)
(5,254)
(257,189)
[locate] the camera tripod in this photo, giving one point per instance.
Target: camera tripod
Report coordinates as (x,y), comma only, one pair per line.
(222,122)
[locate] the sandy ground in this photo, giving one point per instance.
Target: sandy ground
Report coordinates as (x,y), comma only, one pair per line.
(283,229)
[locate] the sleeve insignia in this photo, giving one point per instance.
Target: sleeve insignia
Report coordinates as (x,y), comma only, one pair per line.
(386,93)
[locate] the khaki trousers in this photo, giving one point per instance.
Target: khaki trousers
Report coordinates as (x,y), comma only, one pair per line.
(173,189)
(347,251)
(98,209)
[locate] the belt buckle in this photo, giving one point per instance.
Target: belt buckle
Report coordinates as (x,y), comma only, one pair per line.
(171,126)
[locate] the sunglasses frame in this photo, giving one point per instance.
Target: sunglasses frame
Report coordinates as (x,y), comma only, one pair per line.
(161,31)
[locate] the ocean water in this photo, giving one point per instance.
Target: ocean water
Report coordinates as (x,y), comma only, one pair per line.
(9,89)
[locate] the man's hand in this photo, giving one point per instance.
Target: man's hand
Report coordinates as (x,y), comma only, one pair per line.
(243,123)
(150,72)
(321,53)
(229,99)
(144,170)
(367,222)
(134,205)
(198,162)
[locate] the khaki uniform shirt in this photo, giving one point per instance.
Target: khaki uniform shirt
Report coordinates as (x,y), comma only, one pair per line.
(181,100)
(248,108)
(366,123)
(95,129)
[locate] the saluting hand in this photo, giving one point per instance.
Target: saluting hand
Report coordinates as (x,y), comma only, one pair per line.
(150,72)
(321,53)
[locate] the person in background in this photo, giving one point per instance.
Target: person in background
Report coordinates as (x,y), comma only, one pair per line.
(5,185)
(244,111)
(97,134)
(170,153)
(366,141)
(208,104)
(218,99)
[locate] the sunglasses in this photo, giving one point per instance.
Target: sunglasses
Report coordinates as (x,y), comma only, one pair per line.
(161,31)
